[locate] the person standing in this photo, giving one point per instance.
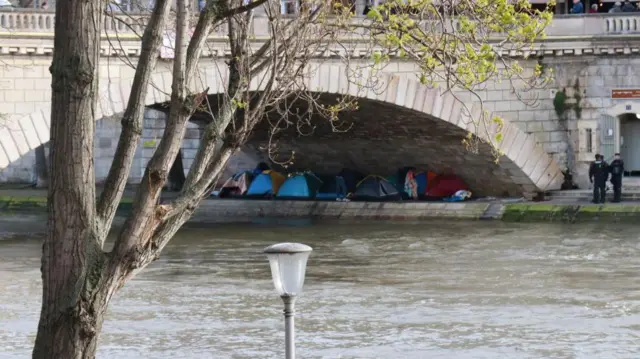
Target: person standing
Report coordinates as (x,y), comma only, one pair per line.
(617,7)
(577,7)
(616,168)
(628,7)
(411,185)
(598,175)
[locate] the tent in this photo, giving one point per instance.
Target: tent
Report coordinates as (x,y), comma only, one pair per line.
(425,180)
(376,188)
(265,184)
(445,186)
(300,186)
(236,185)
(351,178)
(422,180)
(333,187)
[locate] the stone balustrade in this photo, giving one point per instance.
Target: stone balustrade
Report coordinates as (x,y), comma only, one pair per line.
(42,21)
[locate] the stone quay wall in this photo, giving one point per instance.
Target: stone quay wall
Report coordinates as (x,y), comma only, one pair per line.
(246,211)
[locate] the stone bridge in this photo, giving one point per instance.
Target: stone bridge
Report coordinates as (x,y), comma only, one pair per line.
(405,124)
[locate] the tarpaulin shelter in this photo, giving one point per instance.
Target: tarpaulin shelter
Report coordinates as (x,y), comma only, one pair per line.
(376,188)
(300,186)
(445,186)
(265,184)
(237,185)
(333,187)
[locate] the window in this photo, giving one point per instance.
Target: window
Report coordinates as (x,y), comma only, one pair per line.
(589,138)
(289,7)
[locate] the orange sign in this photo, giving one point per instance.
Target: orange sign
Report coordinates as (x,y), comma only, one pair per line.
(625,93)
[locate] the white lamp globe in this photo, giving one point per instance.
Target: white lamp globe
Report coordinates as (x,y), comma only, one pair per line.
(288,263)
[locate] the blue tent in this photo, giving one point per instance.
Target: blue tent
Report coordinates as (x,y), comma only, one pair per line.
(265,184)
(421,179)
(300,186)
(333,187)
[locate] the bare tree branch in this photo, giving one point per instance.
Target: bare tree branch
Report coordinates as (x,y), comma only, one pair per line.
(132,119)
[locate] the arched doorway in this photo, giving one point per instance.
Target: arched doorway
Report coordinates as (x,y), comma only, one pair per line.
(620,133)
(630,142)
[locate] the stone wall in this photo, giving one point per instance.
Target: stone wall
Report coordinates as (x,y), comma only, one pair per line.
(214,210)
(108,131)
(25,87)
(106,140)
(596,76)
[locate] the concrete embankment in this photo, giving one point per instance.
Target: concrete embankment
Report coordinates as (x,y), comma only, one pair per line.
(572,213)
(215,210)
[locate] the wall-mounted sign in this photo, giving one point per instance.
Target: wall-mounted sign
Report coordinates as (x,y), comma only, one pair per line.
(625,93)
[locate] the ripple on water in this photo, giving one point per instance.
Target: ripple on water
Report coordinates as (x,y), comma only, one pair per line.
(442,290)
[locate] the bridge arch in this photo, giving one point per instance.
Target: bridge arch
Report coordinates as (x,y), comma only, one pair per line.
(525,167)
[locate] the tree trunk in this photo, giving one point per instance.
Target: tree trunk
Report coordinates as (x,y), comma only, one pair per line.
(42,167)
(73,303)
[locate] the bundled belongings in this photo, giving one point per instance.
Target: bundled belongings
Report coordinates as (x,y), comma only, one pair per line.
(303,185)
(459,196)
(376,188)
(265,184)
(237,185)
(445,186)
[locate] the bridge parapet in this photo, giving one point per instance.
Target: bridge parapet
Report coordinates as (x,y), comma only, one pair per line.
(582,26)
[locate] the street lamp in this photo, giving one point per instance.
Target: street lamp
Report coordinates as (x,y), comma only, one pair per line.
(288,266)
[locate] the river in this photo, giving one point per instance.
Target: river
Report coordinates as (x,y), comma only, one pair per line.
(373,290)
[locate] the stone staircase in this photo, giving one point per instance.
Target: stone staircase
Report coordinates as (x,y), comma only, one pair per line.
(630,193)
(493,211)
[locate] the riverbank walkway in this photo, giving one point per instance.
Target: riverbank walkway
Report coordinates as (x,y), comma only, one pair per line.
(563,206)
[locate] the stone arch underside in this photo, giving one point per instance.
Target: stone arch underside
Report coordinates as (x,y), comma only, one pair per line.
(419,124)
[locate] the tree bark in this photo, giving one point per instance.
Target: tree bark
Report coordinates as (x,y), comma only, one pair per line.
(73,306)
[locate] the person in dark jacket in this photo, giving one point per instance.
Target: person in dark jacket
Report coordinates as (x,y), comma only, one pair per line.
(598,175)
(628,7)
(617,7)
(616,168)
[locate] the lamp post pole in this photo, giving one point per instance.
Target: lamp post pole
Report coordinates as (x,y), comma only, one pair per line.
(289,326)
(288,263)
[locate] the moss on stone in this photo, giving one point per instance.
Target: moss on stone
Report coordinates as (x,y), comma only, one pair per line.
(620,209)
(36,204)
(592,208)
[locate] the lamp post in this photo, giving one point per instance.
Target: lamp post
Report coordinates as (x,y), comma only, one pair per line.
(288,266)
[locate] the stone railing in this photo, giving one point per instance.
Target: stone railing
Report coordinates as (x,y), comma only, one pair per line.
(42,21)
(595,25)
